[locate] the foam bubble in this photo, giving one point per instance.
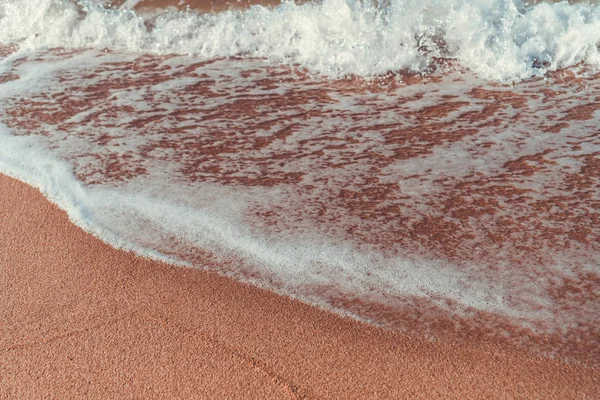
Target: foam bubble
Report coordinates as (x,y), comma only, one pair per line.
(115,213)
(498,39)
(163,207)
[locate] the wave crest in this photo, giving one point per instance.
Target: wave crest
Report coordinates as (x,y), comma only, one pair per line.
(503,40)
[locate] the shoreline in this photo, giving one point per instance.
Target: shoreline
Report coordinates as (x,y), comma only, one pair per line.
(85,319)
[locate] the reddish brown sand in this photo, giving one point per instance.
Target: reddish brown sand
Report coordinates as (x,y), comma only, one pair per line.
(81,319)
(201,5)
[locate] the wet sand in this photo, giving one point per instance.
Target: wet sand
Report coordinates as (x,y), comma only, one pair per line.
(198,5)
(81,319)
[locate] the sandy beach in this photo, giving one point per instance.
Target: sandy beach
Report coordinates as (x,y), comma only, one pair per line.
(81,319)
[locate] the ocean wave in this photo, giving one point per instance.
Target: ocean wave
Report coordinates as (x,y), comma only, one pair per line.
(502,40)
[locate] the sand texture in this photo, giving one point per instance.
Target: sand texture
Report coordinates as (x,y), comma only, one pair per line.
(81,319)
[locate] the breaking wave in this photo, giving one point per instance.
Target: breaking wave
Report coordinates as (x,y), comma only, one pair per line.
(502,40)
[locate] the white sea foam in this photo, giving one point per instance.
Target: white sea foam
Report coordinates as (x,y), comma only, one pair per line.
(112,214)
(498,39)
(163,204)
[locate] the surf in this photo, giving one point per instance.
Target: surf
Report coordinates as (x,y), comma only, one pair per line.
(499,40)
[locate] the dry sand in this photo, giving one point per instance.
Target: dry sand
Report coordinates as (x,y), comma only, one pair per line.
(83,320)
